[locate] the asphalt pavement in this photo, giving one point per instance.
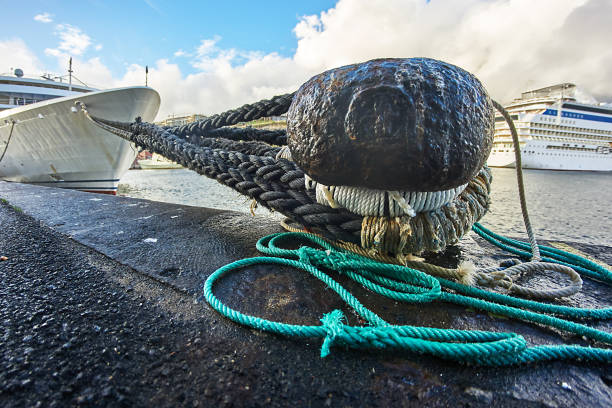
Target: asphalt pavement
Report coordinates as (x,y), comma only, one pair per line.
(101,306)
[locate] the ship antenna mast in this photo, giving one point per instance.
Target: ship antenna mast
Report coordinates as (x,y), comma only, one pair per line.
(70,74)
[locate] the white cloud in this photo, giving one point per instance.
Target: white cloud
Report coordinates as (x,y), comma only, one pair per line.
(73,41)
(98,47)
(43,18)
(511,45)
(15,54)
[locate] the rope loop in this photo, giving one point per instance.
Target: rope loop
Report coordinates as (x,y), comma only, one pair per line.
(408,285)
(253,169)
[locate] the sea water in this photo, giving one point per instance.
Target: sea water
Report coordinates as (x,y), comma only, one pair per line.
(563,205)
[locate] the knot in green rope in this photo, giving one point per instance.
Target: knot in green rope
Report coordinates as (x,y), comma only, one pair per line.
(412,286)
(330,258)
(333,323)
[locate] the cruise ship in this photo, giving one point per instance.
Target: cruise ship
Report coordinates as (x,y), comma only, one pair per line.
(46,138)
(555,132)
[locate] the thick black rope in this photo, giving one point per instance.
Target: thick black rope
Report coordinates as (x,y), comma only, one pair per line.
(276,184)
(267,107)
(250,168)
(247,147)
(272,137)
(253,137)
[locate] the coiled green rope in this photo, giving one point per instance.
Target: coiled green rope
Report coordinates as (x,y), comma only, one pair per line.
(412,286)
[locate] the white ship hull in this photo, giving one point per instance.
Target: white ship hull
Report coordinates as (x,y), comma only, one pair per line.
(52,145)
(536,155)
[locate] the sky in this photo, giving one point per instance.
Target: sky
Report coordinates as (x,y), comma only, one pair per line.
(209,56)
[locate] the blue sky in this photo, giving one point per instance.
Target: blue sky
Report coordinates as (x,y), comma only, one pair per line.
(208,56)
(137,31)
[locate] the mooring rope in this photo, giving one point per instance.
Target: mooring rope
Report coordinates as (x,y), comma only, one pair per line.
(381,203)
(280,185)
(274,185)
(275,106)
(412,286)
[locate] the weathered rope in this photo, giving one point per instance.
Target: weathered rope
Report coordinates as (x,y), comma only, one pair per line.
(463,273)
(412,286)
(253,147)
(267,107)
(272,137)
(381,203)
(280,185)
(271,186)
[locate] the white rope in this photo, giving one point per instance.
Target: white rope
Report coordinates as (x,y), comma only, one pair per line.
(284,153)
(371,202)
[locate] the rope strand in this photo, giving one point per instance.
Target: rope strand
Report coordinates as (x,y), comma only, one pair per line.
(412,286)
(278,184)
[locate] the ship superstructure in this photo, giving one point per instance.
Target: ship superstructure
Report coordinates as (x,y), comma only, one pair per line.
(46,139)
(555,132)
(19,91)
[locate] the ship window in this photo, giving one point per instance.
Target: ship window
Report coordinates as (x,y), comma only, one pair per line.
(587,108)
(63,86)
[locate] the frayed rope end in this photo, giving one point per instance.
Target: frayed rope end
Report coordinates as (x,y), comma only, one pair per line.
(333,323)
(467,273)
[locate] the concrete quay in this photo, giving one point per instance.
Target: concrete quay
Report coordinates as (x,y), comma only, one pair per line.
(101,306)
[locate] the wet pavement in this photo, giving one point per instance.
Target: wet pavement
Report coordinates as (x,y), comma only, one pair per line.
(114,316)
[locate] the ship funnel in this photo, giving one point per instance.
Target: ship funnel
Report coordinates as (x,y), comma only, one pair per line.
(18,72)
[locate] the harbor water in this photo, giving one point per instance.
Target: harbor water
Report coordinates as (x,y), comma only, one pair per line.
(565,206)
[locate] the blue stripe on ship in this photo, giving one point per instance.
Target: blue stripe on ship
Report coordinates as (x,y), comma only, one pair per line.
(585,116)
(76,181)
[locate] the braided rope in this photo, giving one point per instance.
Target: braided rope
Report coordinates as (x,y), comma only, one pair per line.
(267,107)
(371,202)
(433,230)
(271,182)
(412,286)
(279,185)
(272,137)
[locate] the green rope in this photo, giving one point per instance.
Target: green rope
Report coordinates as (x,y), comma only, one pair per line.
(583,266)
(412,286)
